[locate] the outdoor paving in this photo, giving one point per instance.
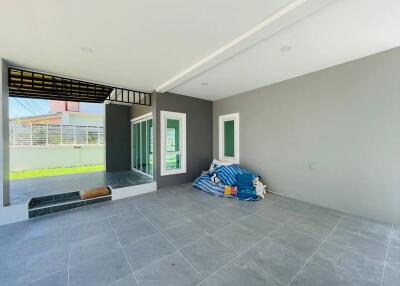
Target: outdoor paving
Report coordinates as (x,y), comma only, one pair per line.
(182,236)
(22,190)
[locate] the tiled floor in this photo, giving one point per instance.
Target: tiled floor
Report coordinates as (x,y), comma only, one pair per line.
(22,190)
(183,236)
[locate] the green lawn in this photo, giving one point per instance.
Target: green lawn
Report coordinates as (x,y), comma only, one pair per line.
(55,172)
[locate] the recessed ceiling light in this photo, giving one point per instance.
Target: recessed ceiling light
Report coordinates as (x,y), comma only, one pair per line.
(285,49)
(204,83)
(87,50)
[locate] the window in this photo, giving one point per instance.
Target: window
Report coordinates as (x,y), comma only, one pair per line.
(229,137)
(173,143)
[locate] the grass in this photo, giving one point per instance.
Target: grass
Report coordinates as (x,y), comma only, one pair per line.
(55,172)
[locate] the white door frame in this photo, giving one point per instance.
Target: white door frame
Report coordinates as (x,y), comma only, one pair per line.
(137,120)
(221,141)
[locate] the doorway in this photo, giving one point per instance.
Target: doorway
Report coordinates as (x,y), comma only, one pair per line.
(142,159)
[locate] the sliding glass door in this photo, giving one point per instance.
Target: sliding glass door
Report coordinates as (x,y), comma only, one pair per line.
(142,144)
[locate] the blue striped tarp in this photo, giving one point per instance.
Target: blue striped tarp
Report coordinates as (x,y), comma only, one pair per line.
(227,174)
(204,183)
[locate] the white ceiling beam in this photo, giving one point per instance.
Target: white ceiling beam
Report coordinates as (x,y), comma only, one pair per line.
(288,15)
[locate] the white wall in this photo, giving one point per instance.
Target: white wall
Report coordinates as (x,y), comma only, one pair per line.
(84,119)
(331,137)
(41,157)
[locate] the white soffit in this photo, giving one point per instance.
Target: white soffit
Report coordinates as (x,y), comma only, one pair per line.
(342,31)
(128,43)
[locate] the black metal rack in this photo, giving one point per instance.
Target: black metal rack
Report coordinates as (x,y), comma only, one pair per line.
(23,83)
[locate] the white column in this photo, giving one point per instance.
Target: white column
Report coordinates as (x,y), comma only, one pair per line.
(4,137)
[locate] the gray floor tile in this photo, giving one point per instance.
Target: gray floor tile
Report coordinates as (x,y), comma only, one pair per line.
(275,214)
(131,232)
(13,232)
(172,270)
(93,246)
(301,243)
(239,274)
(40,244)
(233,213)
(37,252)
(196,195)
(251,206)
(58,279)
(8,254)
(119,208)
(141,253)
(119,221)
(128,280)
(184,234)
(193,211)
(211,222)
(216,203)
(357,243)
(43,226)
(279,262)
(208,255)
(323,215)
(394,251)
(84,230)
(365,227)
(150,206)
(178,201)
(258,224)
(35,267)
(395,234)
(101,270)
(168,219)
(292,205)
(391,275)
(237,238)
(334,266)
(316,229)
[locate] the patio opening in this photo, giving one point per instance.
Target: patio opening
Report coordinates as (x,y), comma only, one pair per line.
(57,141)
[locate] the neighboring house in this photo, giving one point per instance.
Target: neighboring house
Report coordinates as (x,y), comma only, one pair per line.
(62,112)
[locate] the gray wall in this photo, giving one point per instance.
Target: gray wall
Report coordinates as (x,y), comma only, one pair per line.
(199,135)
(331,137)
(117,137)
(139,110)
(4,150)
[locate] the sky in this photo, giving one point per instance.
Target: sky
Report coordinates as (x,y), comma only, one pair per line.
(21,107)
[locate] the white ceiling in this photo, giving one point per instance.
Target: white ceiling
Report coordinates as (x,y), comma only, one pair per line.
(342,31)
(177,45)
(137,44)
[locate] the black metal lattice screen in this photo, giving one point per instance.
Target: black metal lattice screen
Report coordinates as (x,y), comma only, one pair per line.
(23,83)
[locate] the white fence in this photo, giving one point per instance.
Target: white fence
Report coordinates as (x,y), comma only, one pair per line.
(55,134)
(23,158)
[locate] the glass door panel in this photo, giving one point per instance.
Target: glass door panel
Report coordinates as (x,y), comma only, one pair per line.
(142,147)
(137,146)
(149,146)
